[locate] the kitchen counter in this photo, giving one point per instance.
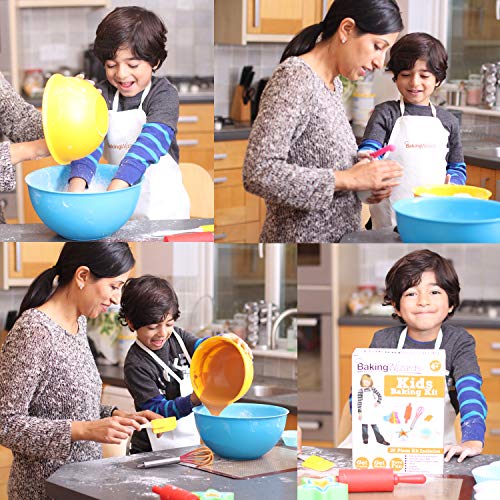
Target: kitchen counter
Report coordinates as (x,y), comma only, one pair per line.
(113,375)
(458,319)
(342,458)
(386,235)
(236,132)
(133,230)
(119,478)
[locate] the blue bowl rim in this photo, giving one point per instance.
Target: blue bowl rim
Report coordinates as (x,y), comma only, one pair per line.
(284,412)
(411,201)
(86,194)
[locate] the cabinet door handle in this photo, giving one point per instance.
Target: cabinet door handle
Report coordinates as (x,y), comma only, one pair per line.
(18,257)
(495,346)
(220,236)
(310,426)
(495,432)
(307,322)
(484,181)
(188,142)
(220,180)
(325,7)
(256,6)
(495,371)
(220,156)
(189,119)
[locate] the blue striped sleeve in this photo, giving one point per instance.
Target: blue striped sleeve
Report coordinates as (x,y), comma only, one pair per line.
(199,341)
(350,402)
(85,167)
(369,145)
(178,407)
(153,142)
(458,173)
(473,408)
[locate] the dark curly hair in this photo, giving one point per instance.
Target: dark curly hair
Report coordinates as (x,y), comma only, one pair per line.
(407,272)
(135,28)
(414,46)
(146,301)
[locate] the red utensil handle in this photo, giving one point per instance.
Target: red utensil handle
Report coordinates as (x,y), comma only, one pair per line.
(411,478)
(380,152)
(173,493)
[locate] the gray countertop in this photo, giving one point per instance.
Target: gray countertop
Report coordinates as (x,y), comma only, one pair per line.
(342,457)
(236,132)
(459,319)
(119,478)
(113,375)
(133,230)
(386,235)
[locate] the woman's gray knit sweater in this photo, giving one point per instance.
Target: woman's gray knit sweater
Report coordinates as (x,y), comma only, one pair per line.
(19,122)
(48,378)
(300,138)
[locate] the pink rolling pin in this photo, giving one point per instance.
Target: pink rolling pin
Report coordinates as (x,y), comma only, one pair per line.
(380,152)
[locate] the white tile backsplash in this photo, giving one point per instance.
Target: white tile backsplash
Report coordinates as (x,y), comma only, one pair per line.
(189,39)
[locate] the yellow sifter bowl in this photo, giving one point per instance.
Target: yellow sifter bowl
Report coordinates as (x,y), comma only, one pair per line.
(452,190)
(75,118)
(221,373)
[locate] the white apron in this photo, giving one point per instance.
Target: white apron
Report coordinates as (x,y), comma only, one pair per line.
(449,411)
(185,434)
(369,413)
(163,195)
(421,148)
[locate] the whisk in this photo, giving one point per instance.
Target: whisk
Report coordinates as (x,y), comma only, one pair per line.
(200,456)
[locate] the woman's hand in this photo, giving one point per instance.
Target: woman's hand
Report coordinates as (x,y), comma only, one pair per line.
(465,449)
(142,417)
(239,341)
(110,430)
(24,151)
(369,176)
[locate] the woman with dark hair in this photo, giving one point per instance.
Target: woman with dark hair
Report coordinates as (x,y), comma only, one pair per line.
(50,388)
(301,156)
(143,113)
(427,138)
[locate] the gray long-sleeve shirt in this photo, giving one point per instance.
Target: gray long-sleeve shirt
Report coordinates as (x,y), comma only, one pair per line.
(48,378)
(19,122)
(300,138)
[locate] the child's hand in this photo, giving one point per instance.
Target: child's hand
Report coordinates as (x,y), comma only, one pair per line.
(465,449)
(117,184)
(77,185)
(239,341)
(195,399)
(364,155)
(299,439)
(447,179)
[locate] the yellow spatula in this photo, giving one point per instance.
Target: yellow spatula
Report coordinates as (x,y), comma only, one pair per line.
(160,425)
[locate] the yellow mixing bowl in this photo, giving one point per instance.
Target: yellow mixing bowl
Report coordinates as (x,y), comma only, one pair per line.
(221,373)
(452,190)
(75,118)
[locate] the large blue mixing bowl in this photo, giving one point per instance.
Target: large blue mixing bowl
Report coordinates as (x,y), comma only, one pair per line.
(243,431)
(446,219)
(91,215)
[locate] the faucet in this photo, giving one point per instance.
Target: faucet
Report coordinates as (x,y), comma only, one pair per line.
(276,324)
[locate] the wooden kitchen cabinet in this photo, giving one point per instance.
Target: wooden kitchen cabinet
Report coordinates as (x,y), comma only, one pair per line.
(486,178)
(238,214)
(195,135)
(62,3)
(240,21)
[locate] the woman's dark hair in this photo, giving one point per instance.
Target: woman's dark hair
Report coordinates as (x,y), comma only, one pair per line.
(414,46)
(379,17)
(138,29)
(407,272)
(104,259)
(147,300)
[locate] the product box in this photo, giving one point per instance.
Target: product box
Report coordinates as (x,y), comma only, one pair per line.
(398,409)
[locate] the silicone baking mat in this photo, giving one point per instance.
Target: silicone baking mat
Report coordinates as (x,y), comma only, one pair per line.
(277,460)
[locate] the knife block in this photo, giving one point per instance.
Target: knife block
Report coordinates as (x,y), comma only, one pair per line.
(240,112)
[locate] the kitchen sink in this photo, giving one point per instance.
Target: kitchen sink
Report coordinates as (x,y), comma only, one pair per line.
(268,390)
